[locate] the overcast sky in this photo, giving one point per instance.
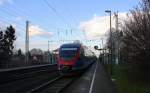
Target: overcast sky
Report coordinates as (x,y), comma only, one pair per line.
(58,20)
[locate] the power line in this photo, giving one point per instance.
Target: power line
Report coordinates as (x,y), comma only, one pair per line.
(22,13)
(10,14)
(20,27)
(10,22)
(14,13)
(73,17)
(56,12)
(8,19)
(28,15)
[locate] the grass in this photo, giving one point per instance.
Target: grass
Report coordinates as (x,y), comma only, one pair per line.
(124,85)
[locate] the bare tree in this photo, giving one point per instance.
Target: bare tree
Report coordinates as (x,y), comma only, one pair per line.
(136,39)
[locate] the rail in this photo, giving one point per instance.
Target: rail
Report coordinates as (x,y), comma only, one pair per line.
(53,86)
(24,72)
(58,84)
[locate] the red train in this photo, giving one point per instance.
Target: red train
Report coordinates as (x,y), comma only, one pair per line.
(71,57)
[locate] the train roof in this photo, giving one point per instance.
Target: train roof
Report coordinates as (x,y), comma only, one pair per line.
(78,45)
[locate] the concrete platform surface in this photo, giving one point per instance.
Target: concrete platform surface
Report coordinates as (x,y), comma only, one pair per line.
(95,80)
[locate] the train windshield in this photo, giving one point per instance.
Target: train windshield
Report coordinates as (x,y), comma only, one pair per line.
(68,53)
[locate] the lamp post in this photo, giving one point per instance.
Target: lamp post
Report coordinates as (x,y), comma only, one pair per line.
(109,11)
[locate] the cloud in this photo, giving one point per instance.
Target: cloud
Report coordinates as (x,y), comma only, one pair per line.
(41,44)
(6,1)
(35,30)
(99,25)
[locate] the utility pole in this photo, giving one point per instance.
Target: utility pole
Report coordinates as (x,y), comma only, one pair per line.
(111,52)
(116,16)
(48,59)
(111,41)
(50,54)
(103,59)
(117,41)
(48,46)
(27,43)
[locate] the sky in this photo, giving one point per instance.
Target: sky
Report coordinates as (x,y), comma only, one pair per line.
(61,21)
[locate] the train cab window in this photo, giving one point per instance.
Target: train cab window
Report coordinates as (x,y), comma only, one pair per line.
(68,52)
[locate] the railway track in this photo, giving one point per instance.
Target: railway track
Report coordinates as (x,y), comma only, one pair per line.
(53,86)
(56,85)
(24,85)
(15,74)
(40,81)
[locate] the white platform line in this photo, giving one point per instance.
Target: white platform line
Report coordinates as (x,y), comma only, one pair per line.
(91,87)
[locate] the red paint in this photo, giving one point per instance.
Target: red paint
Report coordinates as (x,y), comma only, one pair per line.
(72,62)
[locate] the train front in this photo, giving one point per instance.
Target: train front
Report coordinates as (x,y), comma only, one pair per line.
(69,55)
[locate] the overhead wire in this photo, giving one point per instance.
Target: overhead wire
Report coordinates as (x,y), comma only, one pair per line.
(11,22)
(10,14)
(21,13)
(31,19)
(18,28)
(74,20)
(71,15)
(57,13)
(13,15)
(52,8)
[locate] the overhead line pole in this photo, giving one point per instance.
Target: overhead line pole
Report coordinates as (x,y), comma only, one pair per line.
(117,31)
(111,53)
(48,59)
(27,43)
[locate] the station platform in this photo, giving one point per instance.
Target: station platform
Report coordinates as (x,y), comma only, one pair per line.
(95,80)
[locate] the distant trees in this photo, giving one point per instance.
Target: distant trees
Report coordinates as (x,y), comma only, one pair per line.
(36,51)
(20,53)
(136,40)
(7,38)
